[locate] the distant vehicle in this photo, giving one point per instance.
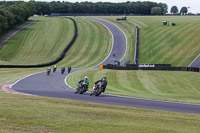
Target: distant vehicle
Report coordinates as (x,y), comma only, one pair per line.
(46,15)
(35,15)
(122,18)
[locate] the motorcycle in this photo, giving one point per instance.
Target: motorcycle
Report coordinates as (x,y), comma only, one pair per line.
(48,72)
(62,70)
(54,69)
(69,69)
(81,88)
(97,89)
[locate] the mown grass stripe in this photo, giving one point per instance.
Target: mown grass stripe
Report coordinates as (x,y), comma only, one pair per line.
(159,85)
(91,47)
(37,42)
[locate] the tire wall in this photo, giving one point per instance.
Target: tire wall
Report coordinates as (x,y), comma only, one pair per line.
(136,45)
(160,67)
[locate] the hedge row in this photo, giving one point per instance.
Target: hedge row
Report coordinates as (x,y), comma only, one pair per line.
(62,55)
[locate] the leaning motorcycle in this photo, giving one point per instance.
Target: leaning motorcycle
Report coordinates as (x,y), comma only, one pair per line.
(62,70)
(54,69)
(81,88)
(97,89)
(48,72)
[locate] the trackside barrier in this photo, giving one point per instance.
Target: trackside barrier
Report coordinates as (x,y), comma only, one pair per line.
(62,55)
(160,67)
(136,45)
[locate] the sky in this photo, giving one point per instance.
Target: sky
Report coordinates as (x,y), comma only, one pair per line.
(193,4)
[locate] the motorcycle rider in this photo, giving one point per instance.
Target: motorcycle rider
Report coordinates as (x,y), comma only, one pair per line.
(54,68)
(103,83)
(62,70)
(84,81)
(48,70)
(69,69)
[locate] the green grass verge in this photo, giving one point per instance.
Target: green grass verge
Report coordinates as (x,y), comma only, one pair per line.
(159,85)
(39,43)
(19,113)
(39,114)
(178,45)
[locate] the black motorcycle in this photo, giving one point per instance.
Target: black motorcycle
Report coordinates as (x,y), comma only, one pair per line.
(62,70)
(48,72)
(81,88)
(97,89)
(69,69)
(54,69)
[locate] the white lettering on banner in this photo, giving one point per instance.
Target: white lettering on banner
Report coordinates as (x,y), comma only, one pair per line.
(146,65)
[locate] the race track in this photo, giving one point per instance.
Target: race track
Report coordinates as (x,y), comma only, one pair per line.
(54,85)
(195,62)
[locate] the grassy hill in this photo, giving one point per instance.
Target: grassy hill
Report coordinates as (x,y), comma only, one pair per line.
(159,85)
(178,45)
(91,47)
(45,40)
(39,43)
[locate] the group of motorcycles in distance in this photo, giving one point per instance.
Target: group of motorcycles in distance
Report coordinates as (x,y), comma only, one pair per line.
(96,91)
(55,68)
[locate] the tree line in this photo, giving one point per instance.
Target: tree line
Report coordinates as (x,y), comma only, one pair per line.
(183,11)
(12,13)
(138,8)
(16,12)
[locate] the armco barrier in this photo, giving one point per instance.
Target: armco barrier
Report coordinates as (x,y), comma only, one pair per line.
(136,45)
(160,67)
(61,56)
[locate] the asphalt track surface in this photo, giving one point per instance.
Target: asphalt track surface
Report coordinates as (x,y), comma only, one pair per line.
(54,85)
(195,62)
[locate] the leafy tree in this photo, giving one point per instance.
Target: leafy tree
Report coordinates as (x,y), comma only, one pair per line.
(174,9)
(184,10)
(164,7)
(156,11)
(14,12)
(3,24)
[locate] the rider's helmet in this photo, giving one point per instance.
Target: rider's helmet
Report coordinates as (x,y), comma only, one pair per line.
(49,68)
(86,78)
(54,66)
(104,78)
